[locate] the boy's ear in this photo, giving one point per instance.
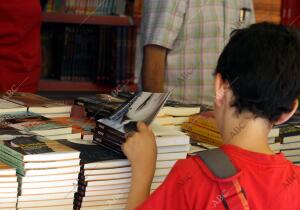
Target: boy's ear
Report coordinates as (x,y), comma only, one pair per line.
(286,116)
(220,88)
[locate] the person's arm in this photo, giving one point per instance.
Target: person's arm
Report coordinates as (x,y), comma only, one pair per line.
(141,151)
(153,69)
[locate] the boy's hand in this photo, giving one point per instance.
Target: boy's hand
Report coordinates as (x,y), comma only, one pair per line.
(140,149)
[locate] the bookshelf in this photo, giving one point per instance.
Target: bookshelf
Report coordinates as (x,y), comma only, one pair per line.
(56,17)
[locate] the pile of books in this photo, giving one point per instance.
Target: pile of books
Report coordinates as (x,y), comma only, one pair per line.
(290,139)
(8,187)
(104,180)
(175,114)
(19,102)
(202,128)
(47,171)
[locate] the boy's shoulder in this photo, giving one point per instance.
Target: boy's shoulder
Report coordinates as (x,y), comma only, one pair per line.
(193,168)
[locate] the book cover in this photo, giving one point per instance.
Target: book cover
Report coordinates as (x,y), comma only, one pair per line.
(143,107)
(37,149)
(90,152)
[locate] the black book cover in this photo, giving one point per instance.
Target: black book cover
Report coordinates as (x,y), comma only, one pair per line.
(90,153)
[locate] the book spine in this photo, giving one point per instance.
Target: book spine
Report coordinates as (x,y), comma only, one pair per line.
(108,135)
(9,160)
(108,147)
(110,130)
(12,152)
(109,143)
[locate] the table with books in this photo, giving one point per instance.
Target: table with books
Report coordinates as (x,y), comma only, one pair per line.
(51,160)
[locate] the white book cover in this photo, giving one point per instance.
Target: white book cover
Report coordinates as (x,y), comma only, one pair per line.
(170,120)
(291,152)
(56,202)
(5,206)
(165,164)
(107,177)
(49,178)
(107,192)
(8,200)
(43,197)
(107,164)
(54,164)
(53,171)
(63,183)
(68,136)
(9,184)
(105,197)
(291,139)
(107,171)
(8,195)
(108,182)
(8,179)
(172,156)
(295,145)
(107,187)
(171,149)
(106,203)
(110,207)
(64,207)
(49,190)
(295,158)
(8,189)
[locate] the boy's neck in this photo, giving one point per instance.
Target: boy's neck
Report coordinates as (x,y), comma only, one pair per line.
(246,132)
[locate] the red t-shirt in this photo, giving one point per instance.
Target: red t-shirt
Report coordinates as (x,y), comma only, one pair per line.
(270,182)
(20,51)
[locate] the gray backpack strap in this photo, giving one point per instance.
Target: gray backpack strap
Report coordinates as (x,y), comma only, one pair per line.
(218,163)
(232,194)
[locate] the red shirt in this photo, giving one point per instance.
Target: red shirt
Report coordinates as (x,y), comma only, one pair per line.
(270,182)
(20,51)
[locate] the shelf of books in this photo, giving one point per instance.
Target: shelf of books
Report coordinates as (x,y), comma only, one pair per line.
(74,86)
(56,17)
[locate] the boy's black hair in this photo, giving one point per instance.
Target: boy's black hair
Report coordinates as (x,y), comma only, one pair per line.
(262,65)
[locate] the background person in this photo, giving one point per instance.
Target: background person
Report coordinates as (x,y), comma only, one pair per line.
(182,40)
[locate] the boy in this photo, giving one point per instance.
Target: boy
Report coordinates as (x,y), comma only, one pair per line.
(257,82)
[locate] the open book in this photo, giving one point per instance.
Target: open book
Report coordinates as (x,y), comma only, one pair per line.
(142,107)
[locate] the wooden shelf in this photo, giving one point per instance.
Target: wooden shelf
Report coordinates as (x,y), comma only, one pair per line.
(72,86)
(54,17)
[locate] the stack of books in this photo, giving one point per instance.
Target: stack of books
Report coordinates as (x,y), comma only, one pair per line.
(36,104)
(47,171)
(103,175)
(104,180)
(100,179)
(8,187)
(174,115)
(82,128)
(203,128)
(290,139)
(39,125)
